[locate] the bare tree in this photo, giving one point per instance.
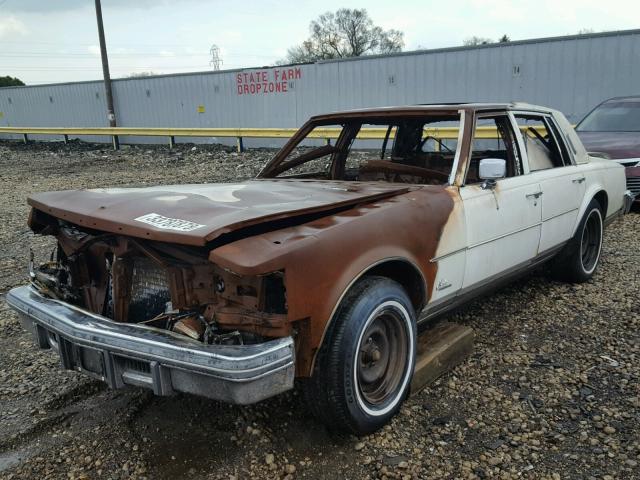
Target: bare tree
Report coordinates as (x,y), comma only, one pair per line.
(504,39)
(141,74)
(345,33)
(472,41)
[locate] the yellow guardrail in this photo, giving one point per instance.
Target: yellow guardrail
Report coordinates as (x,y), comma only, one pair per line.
(171,133)
(328,133)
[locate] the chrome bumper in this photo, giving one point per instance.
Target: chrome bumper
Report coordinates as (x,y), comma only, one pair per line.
(627,201)
(123,354)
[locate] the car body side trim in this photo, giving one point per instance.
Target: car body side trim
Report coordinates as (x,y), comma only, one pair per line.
(466,294)
(484,242)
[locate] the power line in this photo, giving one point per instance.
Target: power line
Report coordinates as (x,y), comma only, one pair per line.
(31,42)
(157,70)
(133,54)
(81,68)
(123,54)
(91,55)
(119,76)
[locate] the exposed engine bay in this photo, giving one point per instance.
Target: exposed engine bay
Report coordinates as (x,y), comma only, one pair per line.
(160,285)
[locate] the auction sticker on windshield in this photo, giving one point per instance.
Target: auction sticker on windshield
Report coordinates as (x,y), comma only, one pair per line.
(166,223)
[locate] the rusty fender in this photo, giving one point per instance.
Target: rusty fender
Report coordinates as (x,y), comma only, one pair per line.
(322,258)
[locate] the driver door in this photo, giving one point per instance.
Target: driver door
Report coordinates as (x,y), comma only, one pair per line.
(503,223)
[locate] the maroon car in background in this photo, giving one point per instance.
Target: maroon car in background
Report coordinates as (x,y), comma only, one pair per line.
(612,130)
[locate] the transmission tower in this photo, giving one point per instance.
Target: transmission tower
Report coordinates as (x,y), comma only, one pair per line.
(216,61)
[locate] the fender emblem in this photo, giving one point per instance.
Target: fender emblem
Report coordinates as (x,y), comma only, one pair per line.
(442,284)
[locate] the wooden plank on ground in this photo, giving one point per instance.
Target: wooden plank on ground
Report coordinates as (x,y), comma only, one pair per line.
(439,350)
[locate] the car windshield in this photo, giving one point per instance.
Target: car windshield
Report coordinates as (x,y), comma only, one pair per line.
(612,117)
(413,149)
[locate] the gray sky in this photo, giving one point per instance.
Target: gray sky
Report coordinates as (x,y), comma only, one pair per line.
(44,41)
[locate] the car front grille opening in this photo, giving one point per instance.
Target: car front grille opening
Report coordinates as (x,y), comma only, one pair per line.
(132,365)
(633,184)
(149,290)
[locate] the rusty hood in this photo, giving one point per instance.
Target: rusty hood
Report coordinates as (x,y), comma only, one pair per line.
(197,214)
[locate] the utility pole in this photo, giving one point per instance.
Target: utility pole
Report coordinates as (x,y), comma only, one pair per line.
(111,114)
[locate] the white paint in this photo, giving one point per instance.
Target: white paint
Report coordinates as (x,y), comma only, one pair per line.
(490,231)
(219,192)
(171,198)
(628,162)
(492,168)
(563,190)
(450,254)
(502,226)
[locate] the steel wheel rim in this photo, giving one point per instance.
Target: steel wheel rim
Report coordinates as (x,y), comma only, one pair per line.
(591,241)
(383,358)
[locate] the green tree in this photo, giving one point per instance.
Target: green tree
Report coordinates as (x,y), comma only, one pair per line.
(10,82)
(504,39)
(345,33)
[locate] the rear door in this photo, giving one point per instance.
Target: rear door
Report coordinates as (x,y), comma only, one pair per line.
(562,183)
(503,223)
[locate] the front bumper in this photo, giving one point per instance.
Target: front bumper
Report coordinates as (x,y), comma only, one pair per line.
(123,354)
(627,201)
(633,181)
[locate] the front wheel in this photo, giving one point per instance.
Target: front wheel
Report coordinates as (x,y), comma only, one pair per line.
(577,262)
(364,368)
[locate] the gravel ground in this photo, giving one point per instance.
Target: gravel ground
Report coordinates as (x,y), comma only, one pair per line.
(552,390)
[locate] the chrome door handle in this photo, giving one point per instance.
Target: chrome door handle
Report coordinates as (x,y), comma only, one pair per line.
(534,195)
(578,180)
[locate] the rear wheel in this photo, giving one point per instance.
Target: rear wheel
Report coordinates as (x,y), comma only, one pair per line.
(364,368)
(579,259)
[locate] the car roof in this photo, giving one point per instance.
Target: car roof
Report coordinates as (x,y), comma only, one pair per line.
(429,108)
(630,98)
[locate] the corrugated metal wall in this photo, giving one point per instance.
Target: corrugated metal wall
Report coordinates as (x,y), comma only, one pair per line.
(571,74)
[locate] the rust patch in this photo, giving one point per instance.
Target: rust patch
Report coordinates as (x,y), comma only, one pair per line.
(339,249)
(197,214)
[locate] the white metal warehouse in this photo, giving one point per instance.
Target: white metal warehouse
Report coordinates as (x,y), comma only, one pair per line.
(572,74)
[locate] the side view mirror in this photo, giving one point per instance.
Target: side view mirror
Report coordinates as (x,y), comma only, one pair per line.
(492,169)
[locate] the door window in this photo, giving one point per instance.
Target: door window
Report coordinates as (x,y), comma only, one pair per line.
(312,157)
(413,150)
(403,149)
(493,138)
(542,142)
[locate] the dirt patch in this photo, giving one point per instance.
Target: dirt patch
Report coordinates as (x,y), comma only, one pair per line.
(550,392)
